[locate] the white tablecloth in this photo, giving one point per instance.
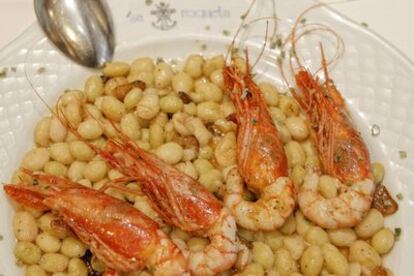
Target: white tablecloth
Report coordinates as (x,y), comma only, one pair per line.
(393,19)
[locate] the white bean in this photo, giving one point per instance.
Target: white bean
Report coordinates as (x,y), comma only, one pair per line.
(156,135)
(225,152)
(171,104)
(295,154)
(113,108)
(262,254)
(317,236)
(81,151)
(194,66)
(72,247)
(342,237)
(311,261)
(115,69)
(209,111)
(90,129)
(270,93)
(209,91)
(48,243)
(378,171)
(130,126)
(182,82)
(61,153)
(77,267)
(53,262)
(297,128)
(212,180)
(36,159)
(363,253)
(216,77)
(212,64)
(187,168)
(328,186)
(162,75)
(42,132)
(335,262)
(284,262)
(35,270)
(371,224)
(24,226)
(132,98)
(75,172)
(93,88)
(55,168)
(143,64)
(295,244)
(148,107)
(27,252)
(57,130)
(95,170)
(171,152)
(383,241)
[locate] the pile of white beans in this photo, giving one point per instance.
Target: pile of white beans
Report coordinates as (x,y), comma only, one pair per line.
(159,118)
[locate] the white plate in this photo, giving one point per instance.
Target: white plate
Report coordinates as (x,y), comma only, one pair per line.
(375,78)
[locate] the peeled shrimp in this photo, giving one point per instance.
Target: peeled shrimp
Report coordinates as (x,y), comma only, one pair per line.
(261,158)
(117,233)
(259,214)
(342,152)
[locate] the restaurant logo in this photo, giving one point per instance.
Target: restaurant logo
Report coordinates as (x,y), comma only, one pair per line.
(163,17)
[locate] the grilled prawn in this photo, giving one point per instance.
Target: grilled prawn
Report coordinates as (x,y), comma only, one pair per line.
(342,152)
(120,235)
(260,156)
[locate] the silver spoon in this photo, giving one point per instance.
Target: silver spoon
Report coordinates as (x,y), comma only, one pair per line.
(81,29)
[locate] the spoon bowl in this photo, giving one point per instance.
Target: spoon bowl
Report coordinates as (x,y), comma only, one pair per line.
(81,29)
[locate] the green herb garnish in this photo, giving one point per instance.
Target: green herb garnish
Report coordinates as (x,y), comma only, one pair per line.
(403,154)
(35,182)
(148,2)
(399,196)
(41,70)
(226,32)
(364,24)
(397,233)
(3,72)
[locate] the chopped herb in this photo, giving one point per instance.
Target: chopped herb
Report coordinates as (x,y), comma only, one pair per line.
(303,20)
(397,233)
(47,187)
(203,47)
(375,130)
(35,182)
(403,154)
(243,16)
(148,2)
(276,42)
(13,69)
(3,72)
(226,32)
(364,24)
(400,196)
(254,122)
(128,14)
(207,28)
(159,60)
(41,70)
(1,238)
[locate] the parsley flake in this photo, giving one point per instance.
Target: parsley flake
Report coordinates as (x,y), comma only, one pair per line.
(3,72)
(403,154)
(41,70)
(226,32)
(397,233)
(399,196)
(364,24)
(148,2)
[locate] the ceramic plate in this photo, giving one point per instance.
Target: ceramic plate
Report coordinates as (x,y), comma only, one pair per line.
(375,78)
